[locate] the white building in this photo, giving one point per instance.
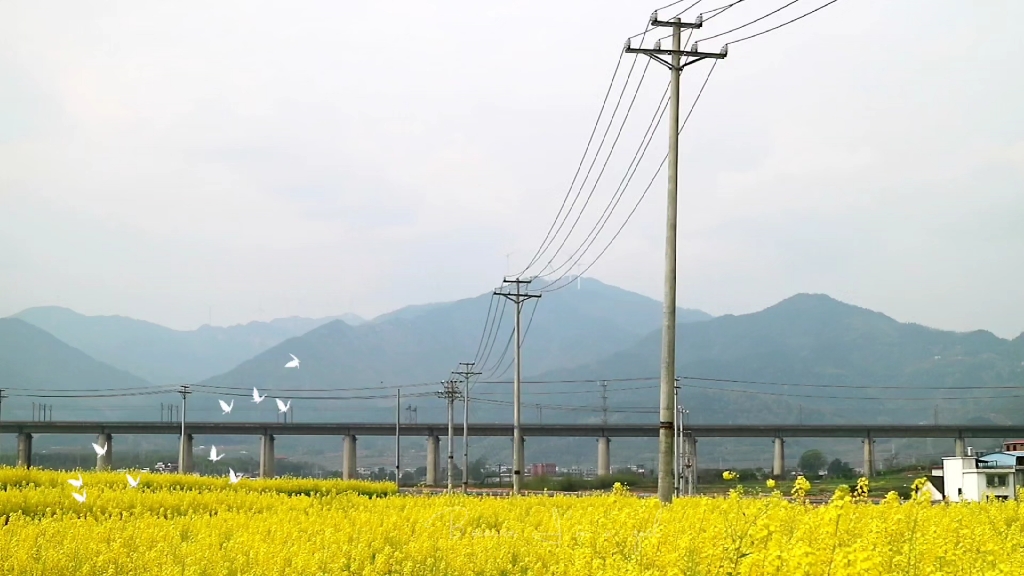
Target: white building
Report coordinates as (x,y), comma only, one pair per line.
(971,478)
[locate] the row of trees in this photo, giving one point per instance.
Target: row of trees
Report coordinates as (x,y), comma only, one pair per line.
(812,462)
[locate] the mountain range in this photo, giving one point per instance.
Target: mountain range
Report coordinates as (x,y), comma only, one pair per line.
(808,358)
(165,356)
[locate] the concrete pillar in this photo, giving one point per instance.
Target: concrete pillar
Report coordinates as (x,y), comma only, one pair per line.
(24,450)
(103,462)
(433,466)
(185,449)
(267,456)
(869,456)
(603,453)
(779,460)
(959,448)
(348,466)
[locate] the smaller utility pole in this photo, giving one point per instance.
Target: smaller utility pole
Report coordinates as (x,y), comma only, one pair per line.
(2,396)
(466,371)
(450,392)
(410,414)
(184,391)
(398,436)
(518,298)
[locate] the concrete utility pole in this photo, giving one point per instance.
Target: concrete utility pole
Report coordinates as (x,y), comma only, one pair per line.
(398,436)
(450,393)
(677,433)
(466,371)
(518,298)
(668,339)
(2,396)
(184,391)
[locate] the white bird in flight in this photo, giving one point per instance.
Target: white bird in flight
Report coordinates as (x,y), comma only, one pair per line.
(76,483)
(79,497)
(99,451)
(234,477)
(133,482)
(282,406)
(256,396)
(294,363)
(227,407)
(213,454)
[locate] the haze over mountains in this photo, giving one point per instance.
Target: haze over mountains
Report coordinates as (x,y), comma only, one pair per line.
(165,356)
(841,362)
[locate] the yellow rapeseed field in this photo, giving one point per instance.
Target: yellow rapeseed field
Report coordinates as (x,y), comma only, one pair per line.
(188,525)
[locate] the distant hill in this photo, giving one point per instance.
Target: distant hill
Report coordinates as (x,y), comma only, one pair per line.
(32,359)
(422,344)
(835,348)
(160,354)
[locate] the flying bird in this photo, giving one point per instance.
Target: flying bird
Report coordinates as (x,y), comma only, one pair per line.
(234,477)
(133,482)
(294,363)
(256,396)
(213,454)
(79,497)
(76,483)
(99,451)
(227,407)
(282,406)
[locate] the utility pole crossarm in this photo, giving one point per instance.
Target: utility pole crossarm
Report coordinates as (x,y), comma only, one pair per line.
(693,56)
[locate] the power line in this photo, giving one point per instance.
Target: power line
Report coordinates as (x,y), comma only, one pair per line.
(593,161)
(749,23)
(783,24)
(677,2)
(719,11)
(492,336)
(172,388)
(647,189)
(590,140)
(722,8)
(483,333)
(526,332)
(609,208)
(604,166)
(784,394)
(856,386)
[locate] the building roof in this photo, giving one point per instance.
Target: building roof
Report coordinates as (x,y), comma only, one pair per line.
(1002,459)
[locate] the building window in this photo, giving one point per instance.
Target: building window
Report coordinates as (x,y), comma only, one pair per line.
(996,480)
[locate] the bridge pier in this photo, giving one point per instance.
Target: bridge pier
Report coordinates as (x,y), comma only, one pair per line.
(348,456)
(103,462)
(959,447)
(186,460)
(267,456)
(869,456)
(433,466)
(779,459)
(603,456)
(24,450)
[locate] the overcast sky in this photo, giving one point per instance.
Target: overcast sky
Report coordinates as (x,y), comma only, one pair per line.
(266,159)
